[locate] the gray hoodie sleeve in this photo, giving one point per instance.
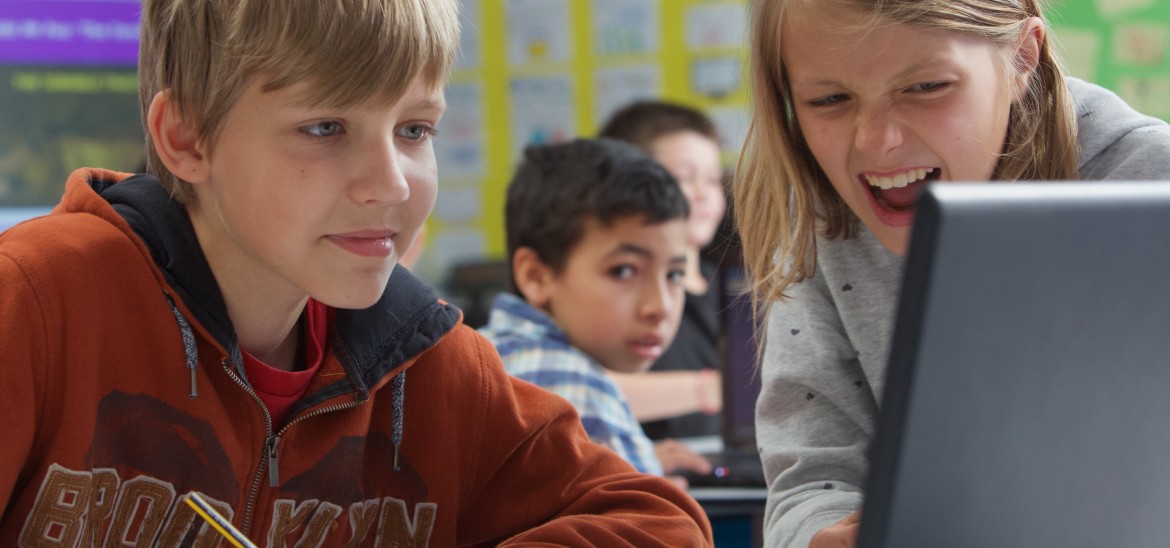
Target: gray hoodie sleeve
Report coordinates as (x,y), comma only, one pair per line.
(822,371)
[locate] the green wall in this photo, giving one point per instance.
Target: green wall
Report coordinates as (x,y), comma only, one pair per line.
(1123,45)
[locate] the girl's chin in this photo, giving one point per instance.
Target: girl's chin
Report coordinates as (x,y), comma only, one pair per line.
(700,240)
(897,240)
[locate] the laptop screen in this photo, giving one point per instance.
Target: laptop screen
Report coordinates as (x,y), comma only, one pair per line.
(741,379)
(1027,391)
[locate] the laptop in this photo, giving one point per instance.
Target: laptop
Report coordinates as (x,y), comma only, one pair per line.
(1027,400)
(737,464)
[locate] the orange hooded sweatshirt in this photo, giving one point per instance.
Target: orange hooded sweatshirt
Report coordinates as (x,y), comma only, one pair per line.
(124,392)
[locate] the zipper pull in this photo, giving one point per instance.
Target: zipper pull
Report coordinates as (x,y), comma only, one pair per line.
(273,461)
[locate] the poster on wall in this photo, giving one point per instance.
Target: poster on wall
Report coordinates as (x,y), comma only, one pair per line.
(459,145)
(716,25)
(541,110)
(625,27)
(1149,95)
(716,78)
(615,87)
(537,31)
(1117,8)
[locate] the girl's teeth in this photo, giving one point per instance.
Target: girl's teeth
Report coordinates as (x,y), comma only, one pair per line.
(900,180)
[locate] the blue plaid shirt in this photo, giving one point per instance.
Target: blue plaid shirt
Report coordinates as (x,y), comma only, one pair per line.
(534,349)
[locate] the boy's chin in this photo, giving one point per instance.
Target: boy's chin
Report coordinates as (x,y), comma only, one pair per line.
(634,367)
(353,298)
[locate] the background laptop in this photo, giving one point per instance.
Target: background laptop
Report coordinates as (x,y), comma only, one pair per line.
(1028,394)
(738,463)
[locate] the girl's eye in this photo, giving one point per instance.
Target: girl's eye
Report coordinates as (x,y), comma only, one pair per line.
(417,132)
(322,129)
(829,100)
(676,275)
(929,86)
(622,272)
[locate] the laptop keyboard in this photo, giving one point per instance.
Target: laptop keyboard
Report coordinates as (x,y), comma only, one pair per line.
(730,469)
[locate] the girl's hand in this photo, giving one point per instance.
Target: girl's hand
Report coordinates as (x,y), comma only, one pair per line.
(842,534)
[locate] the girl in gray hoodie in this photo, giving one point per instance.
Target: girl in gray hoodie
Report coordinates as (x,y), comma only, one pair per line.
(858,104)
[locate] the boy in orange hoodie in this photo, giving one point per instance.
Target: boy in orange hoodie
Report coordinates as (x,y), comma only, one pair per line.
(231,323)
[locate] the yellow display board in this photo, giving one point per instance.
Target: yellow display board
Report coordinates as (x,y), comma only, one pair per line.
(539,71)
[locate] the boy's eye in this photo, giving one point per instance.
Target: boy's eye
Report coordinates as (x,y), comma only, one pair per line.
(622,271)
(322,129)
(417,132)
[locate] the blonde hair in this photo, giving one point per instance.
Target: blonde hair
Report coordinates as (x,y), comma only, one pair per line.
(783,200)
(206,52)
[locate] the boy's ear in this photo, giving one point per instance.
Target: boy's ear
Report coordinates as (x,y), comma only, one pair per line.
(532,276)
(1026,57)
(175,139)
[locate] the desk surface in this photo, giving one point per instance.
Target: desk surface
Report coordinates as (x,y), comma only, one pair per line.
(731,494)
(736,513)
(730,501)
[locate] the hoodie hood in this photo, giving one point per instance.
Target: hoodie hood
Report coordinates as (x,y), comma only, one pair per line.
(1104,123)
(370,343)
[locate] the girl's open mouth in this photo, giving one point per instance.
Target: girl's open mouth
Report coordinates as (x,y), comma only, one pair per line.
(899,191)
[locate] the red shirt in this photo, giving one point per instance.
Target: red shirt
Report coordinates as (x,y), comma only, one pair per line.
(280,389)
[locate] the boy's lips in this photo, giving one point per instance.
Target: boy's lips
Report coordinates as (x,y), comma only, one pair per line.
(365,243)
(648,348)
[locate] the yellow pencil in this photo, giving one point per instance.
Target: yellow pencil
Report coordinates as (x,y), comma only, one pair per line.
(218,522)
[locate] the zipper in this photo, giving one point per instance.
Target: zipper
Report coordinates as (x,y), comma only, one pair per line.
(270,445)
(270,442)
(270,461)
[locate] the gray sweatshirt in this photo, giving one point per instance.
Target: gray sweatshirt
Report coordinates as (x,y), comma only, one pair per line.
(824,363)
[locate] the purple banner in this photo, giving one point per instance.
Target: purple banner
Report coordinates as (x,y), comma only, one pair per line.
(59,32)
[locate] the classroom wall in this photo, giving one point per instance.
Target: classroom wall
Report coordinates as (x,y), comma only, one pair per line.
(538,71)
(547,70)
(1123,45)
(530,71)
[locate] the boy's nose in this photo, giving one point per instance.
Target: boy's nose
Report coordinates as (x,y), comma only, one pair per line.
(657,301)
(878,132)
(382,175)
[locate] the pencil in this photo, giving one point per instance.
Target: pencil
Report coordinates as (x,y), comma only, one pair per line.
(217,521)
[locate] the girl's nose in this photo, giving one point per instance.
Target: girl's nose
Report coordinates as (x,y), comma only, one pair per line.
(878,132)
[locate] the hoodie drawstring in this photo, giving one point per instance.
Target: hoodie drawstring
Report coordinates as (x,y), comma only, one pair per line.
(397,388)
(189,347)
(398,393)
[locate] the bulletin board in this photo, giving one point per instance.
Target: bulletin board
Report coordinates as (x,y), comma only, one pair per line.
(541,71)
(1123,45)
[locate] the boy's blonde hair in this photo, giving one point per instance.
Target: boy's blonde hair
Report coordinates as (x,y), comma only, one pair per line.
(206,52)
(783,199)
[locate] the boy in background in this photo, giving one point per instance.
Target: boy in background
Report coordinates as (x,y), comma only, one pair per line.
(232,322)
(681,396)
(596,235)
